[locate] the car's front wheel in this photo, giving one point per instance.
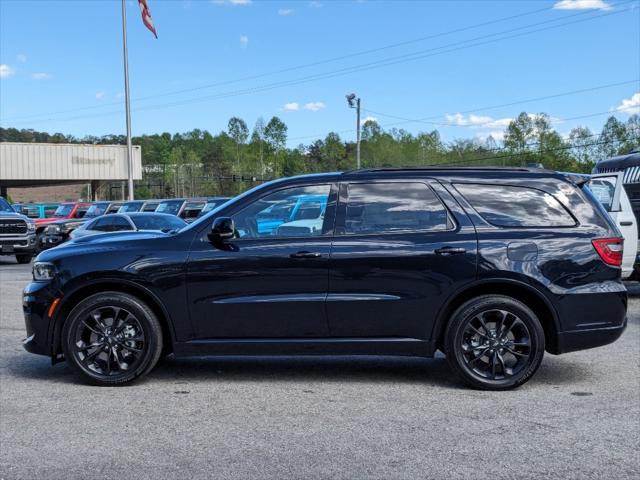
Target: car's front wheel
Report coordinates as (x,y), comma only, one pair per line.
(112,338)
(494,342)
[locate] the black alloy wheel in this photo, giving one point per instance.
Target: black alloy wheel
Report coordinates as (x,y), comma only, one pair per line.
(495,342)
(112,338)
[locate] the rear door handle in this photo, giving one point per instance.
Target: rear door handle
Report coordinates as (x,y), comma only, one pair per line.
(305,254)
(626,224)
(450,251)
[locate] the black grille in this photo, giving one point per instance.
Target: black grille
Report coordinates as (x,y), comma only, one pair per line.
(12,226)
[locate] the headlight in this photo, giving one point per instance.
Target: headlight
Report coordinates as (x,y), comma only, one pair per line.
(67,227)
(53,229)
(31,227)
(43,271)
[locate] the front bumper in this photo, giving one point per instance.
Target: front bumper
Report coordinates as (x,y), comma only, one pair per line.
(37,297)
(10,245)
(50,241)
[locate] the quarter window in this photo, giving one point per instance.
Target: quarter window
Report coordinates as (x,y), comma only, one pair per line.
(508,206)
(291,212)
(393,206)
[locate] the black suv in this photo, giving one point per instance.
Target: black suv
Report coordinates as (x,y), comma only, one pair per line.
(490,266)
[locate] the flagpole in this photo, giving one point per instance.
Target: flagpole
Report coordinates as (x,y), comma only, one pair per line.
(127,100)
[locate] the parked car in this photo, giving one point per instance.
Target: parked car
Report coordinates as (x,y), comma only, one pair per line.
(493,266)
(150,205)
(17,233)
(36,210)
(130,222)
(212,203)
(114,207)
(172,206)
(65,211)
(608,189)
(59,231)
(131,206)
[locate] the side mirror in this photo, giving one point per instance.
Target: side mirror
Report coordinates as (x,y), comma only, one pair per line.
(222,229)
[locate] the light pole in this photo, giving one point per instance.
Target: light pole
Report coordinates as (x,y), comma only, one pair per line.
(354,102)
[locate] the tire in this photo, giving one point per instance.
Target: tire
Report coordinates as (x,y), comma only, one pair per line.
(112,338)
(496,332)
(24,258)
(39,237)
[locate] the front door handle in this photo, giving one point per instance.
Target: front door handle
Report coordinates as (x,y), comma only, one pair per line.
(305,254)
(450,251)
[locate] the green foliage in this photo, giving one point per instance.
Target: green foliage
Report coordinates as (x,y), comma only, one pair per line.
(200,163)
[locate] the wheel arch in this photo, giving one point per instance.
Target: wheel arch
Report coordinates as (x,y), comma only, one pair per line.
(529,295)
(71,299)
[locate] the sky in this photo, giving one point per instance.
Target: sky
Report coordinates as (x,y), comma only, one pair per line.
(463,67)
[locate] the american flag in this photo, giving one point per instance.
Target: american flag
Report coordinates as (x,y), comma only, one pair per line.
(146,16)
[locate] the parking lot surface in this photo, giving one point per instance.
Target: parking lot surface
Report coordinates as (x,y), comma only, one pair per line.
(315,417)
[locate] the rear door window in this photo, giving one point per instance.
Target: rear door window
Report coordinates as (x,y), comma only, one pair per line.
(509,206)
(393,207)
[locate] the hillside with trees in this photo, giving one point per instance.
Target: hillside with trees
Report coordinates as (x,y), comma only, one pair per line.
(201,163)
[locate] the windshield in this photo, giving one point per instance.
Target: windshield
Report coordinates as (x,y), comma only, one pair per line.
(130,207)
(63,211)
(211,205)
(170,206)
(157,222)
(4,206)
(96,210)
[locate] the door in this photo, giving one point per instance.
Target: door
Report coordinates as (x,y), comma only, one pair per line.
(399,251)
(608,188)
(267,282)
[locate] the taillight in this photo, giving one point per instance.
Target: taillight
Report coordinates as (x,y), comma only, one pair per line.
(610,250)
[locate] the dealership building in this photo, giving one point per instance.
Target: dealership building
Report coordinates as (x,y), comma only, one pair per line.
(38,165)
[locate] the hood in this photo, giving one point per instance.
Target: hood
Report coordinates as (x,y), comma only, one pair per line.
(63,221)
(15,215)
(115,237)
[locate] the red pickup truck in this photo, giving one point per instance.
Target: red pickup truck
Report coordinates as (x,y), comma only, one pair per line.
(64,211)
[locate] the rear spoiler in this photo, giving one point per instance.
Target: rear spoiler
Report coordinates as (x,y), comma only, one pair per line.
(578,179)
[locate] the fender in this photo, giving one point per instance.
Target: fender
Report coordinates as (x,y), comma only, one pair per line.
(442,317)
(55,327)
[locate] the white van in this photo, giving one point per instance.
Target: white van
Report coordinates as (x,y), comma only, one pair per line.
(609,190)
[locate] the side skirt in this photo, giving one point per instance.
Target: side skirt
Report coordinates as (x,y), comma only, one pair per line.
(302,346)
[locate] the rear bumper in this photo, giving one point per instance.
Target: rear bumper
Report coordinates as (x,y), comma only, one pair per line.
(583,339)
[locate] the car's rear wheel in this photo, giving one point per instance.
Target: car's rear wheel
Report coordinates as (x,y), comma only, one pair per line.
(494,342)
(112,338)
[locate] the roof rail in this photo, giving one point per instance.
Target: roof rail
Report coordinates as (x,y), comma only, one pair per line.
(441,167)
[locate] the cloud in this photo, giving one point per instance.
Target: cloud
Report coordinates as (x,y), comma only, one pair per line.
(630,105)
(368,119)
(497,135)
(477,121)
(285,12)
(40,76)
(315,4)
(99,95)
(6,71)
(244,41)
(22,58)
(291,107)
(582,5)
(120,95)
(232,2)
(314,106)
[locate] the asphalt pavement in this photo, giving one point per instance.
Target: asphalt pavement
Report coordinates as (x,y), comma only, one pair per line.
(337,417)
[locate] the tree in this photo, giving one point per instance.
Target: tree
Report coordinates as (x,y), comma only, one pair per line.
(275,134)
(239,132)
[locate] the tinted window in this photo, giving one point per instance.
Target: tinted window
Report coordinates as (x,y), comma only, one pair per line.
(49,210)
(63,211)
(111,224)
(292,212)
(172,207)
(507,206)
(4,206)
(150,207)
(397,206)
(80,212)
(604,189)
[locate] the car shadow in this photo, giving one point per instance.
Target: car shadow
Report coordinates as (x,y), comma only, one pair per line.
(366,369)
